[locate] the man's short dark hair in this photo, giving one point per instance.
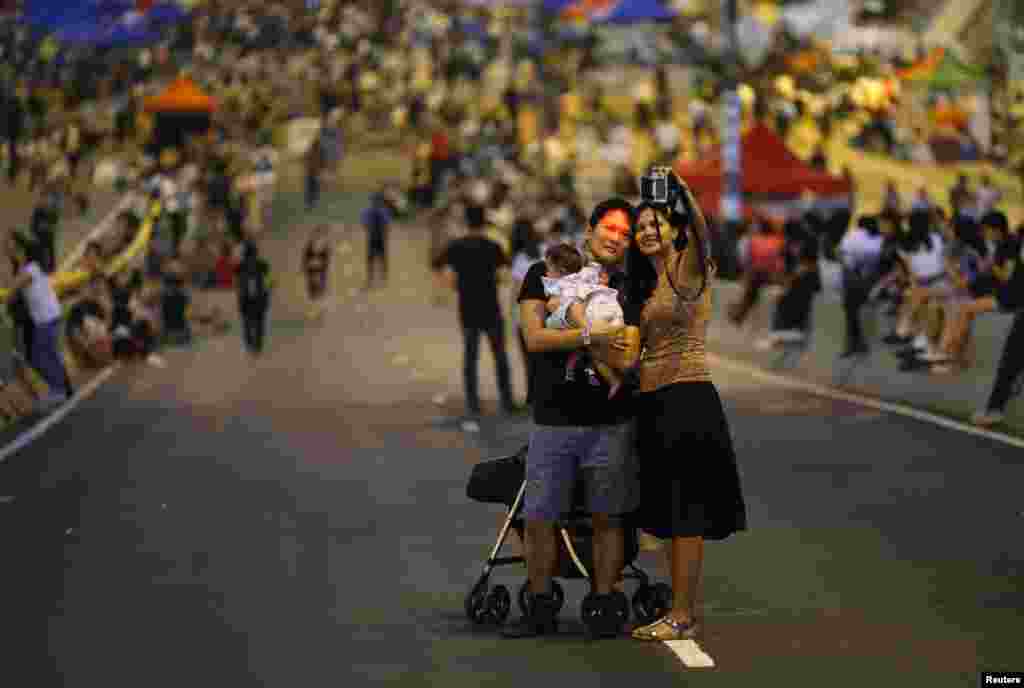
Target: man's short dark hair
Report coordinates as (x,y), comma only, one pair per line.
(605,207)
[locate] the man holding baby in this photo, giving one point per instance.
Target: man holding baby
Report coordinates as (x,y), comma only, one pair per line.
(581,415)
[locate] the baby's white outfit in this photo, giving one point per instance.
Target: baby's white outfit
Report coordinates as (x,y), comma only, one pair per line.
(600,302)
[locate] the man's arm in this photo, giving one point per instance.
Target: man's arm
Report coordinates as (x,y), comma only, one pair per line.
(532,314)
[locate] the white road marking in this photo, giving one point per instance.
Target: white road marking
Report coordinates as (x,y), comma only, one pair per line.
(40,428)
(876,404)
(690,654)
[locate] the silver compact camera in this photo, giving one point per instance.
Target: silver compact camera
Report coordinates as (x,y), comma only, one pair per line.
(660,186)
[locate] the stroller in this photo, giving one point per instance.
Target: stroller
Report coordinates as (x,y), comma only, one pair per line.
(502,481)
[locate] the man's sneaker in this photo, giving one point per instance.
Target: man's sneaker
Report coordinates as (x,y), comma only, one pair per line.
(605,616)
(987,419)
(470,426)
(541,619)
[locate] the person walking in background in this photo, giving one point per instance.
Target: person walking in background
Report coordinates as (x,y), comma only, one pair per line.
(376,219)
(316,262)
(473,262)
(315,164)
(254,287)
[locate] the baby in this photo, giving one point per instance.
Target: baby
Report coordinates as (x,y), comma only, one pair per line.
(580,295)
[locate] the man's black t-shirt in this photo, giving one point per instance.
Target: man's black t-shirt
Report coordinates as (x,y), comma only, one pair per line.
(561,402)
(475,260)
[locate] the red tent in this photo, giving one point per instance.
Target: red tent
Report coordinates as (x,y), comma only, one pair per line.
(773,176)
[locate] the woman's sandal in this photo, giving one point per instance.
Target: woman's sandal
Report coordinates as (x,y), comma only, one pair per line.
(666,628)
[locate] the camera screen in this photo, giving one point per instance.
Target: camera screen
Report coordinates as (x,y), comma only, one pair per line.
(654,189)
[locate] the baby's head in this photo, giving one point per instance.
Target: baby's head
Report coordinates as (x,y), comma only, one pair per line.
(562,260)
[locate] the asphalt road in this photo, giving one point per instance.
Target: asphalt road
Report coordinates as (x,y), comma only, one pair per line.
(300,520)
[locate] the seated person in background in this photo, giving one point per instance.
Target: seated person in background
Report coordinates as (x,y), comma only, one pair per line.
(929,306)
(134,333)
(1003,292)
(763,265)
(792,316)
(174,305)
(87,326)
(922,252)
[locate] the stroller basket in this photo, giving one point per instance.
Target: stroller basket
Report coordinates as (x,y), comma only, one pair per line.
(498,481)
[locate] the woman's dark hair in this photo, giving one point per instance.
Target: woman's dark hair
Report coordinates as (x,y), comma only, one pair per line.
(642,277)
(869,223)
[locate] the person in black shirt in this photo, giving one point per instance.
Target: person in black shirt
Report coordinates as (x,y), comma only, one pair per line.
(578,432)
(253,297)
(475,261)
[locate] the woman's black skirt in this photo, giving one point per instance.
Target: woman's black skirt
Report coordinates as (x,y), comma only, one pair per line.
(689,482)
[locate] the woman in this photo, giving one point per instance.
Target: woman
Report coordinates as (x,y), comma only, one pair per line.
(316,260)
(33,285)
(690,486)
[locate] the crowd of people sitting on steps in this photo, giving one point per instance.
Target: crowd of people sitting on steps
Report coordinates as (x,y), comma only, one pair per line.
(933,272)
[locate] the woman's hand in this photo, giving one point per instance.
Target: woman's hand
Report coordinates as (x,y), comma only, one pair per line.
(553,303)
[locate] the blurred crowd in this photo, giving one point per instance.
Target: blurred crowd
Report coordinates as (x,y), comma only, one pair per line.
(500,120)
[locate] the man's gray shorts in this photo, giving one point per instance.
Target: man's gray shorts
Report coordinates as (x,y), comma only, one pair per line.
(558,457)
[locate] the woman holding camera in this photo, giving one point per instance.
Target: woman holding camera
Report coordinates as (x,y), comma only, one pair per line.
(690,485)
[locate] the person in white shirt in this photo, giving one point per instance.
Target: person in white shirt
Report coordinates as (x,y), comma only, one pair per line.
(45,310)
(860,252)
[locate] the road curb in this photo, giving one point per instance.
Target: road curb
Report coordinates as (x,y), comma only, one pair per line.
(874,403)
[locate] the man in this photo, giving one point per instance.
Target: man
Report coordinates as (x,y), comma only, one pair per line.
(578,430)
(473,262)
(376,219)
(254,290)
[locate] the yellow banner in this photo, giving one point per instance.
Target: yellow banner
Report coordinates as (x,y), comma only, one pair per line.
(67,281)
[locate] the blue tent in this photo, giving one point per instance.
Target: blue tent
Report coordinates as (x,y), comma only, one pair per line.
(631,11)
(621,12)
(103,23)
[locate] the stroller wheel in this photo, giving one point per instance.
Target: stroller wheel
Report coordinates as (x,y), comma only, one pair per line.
(498,604)
(651,602)
(476,603)
(524,595)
